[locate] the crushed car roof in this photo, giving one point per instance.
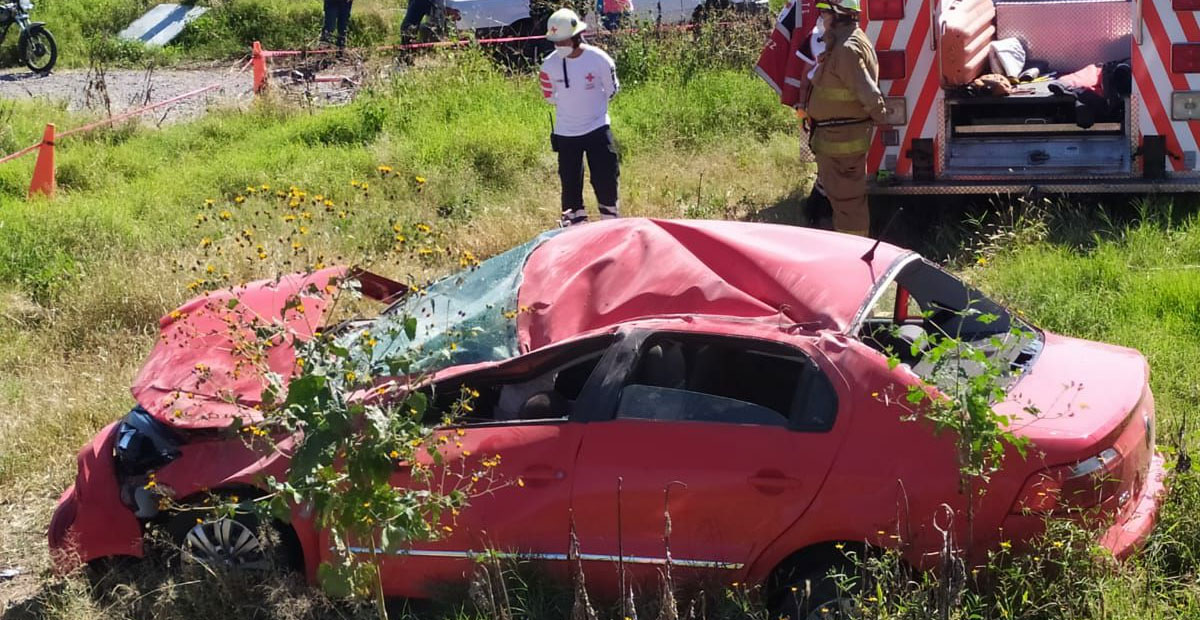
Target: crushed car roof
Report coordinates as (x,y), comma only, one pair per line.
(560,285)
(609,272)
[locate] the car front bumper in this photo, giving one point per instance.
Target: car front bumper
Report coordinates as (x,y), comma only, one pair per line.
(90,521)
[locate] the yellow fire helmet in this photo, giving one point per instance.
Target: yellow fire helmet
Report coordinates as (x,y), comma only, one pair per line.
(840,6)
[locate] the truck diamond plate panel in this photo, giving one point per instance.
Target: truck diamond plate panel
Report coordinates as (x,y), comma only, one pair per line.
(1051,31)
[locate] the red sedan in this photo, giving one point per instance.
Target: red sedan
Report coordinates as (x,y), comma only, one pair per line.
(741,366)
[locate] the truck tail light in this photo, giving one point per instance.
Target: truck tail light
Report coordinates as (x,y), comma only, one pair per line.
(1185,58)
(885,9)
(897,110)
(892,64)
(1185,105)
(1071,487)
(1185,5)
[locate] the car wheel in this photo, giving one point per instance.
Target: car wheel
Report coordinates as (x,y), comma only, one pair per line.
(242,542)
(818,594)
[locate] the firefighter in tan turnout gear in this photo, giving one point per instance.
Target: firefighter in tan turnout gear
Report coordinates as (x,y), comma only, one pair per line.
(844,106)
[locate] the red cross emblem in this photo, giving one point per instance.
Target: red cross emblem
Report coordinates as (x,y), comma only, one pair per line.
(553,28)
(589,77)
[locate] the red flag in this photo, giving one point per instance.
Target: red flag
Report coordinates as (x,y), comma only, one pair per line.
(788,58)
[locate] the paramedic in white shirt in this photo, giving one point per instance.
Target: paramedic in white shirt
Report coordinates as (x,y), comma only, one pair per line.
(579,79)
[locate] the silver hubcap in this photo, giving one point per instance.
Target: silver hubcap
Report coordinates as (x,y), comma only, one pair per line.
(225,543)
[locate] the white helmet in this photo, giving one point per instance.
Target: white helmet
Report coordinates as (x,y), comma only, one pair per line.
(564,24)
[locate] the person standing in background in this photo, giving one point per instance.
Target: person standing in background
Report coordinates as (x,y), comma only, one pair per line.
(337,18)
(579,80)
(416,12)
(614,12)
(844,104)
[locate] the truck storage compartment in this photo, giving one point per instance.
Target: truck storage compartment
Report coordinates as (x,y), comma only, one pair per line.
(1031,110)
(1035,131)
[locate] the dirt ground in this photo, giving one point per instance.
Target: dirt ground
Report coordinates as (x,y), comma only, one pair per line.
(118,90)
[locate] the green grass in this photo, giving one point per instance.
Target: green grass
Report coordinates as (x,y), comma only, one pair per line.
(85,29)
(84,278)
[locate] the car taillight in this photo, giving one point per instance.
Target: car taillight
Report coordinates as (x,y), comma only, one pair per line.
(885,9)
(1185,58)
(1071,487)
(892,64)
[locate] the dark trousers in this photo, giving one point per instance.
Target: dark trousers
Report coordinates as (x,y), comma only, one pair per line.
(601,154)
(416,11)
(337,17)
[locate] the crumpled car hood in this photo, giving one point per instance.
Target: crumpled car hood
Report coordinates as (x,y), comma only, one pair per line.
(202,373)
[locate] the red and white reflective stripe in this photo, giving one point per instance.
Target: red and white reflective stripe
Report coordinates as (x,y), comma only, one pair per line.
(1154,80)
(920,87)
(547,86)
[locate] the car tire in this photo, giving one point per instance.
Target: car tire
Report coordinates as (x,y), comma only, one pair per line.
(816,594)
(242,542)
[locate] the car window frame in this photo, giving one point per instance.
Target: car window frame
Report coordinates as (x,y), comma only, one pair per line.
(455,382)
(619,368)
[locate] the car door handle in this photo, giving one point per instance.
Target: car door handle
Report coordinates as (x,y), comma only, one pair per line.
(773,482)
(542,474)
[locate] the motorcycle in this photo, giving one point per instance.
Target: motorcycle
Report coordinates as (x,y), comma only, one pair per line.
(36,47)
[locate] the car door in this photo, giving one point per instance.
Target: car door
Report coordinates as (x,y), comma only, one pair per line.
(522,444)
(731,437)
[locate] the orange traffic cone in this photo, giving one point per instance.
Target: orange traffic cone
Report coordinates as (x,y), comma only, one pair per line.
(43,170)
(258,64)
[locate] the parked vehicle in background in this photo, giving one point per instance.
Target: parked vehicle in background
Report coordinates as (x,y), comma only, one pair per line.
(490,18)
(35,47)
(746,367)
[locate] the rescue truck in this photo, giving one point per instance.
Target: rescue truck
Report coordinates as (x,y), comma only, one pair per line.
(941,140)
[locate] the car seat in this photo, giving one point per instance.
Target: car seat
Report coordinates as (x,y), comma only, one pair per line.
(663,365)
(543,405)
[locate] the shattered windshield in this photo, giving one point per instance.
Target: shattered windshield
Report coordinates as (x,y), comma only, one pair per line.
(466,318)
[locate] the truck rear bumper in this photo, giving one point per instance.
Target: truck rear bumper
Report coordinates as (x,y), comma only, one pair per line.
(1049,186)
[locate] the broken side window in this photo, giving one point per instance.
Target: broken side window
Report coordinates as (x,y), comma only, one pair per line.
(924,304)
(543,385)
